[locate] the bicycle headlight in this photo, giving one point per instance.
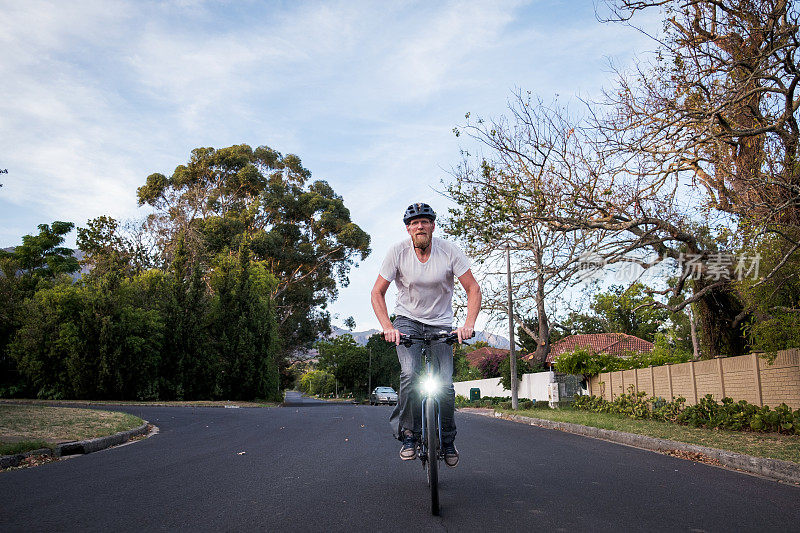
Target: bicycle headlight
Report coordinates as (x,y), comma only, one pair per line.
(430,385)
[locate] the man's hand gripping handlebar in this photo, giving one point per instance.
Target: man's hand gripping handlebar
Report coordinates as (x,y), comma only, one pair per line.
(407,340)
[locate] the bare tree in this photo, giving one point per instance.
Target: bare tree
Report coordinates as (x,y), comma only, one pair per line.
(505,200)
(716,111)
(554,187)
(719,104)
(691,158)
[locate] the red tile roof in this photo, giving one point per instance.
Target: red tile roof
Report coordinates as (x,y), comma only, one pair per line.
(610,343)
(476,356)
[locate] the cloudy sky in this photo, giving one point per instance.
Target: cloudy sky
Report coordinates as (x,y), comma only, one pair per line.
(96,95)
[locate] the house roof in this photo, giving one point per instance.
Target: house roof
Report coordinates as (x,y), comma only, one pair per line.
(610,343)
(476,356)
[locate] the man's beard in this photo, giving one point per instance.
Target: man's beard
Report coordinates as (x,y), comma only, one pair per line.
(421,241)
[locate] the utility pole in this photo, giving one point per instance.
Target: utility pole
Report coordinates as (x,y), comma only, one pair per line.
(369,379)
(512,356)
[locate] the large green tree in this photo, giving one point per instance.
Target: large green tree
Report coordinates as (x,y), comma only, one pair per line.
(300,228)
(630,310)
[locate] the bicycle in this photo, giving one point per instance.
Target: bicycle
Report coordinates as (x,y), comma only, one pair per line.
(430,453)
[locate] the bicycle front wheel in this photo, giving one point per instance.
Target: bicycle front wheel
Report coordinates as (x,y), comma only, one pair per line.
(432,430)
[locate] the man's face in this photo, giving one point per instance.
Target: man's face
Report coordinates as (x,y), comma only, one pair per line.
(421,231)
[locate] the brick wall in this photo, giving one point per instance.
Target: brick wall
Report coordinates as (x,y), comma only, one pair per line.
(748,377)
(780,382)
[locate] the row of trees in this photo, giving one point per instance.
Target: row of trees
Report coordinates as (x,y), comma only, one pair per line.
(686,168)
(154,334)
(211,297)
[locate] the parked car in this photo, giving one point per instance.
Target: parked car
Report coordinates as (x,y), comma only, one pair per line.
(383,395)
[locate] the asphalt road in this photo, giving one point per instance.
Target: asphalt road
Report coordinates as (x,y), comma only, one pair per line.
(336,468)
(295,399)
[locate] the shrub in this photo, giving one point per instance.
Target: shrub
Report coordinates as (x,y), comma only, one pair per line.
(489,366)
(582,362)
(707,413)
(632,404)
(585,362)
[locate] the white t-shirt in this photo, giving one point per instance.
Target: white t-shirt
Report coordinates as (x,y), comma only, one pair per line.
(425,290)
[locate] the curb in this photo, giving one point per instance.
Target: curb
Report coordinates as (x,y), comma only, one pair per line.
(775,469)
(77,447)
(9,461)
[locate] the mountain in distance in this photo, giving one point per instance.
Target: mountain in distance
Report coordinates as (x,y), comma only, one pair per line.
(493,340)
(77,254)
(361,337)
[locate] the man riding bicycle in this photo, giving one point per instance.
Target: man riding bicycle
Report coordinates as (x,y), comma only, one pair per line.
(423,269)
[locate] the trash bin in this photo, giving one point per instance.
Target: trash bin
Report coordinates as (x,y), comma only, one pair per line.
(474,394)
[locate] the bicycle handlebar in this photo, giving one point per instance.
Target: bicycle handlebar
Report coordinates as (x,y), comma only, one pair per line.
(449,338)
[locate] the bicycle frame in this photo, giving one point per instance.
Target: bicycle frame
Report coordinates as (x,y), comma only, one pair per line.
(429,376)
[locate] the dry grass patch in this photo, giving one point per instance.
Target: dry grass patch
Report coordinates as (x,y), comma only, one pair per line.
(60,424)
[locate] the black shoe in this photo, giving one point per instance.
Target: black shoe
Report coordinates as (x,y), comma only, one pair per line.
(409,450)
(450,455)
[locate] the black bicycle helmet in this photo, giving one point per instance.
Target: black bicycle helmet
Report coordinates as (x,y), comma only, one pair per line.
(418,210)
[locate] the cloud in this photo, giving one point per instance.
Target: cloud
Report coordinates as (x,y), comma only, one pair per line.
(436,44)
(96,95)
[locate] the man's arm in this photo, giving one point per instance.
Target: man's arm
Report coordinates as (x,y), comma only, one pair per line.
(378,297)
(473,305)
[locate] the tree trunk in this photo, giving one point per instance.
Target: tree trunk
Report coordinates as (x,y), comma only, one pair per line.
(716,312)
(543,346)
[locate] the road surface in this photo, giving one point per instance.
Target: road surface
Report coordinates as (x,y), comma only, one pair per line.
(336,468)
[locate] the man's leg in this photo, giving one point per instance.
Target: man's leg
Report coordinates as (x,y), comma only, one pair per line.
(406,415)
(447,400)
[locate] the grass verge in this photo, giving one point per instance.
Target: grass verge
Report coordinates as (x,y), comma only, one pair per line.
(37,424)
(772,445)
(13,448)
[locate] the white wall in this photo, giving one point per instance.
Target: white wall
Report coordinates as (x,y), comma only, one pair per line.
(531,386)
